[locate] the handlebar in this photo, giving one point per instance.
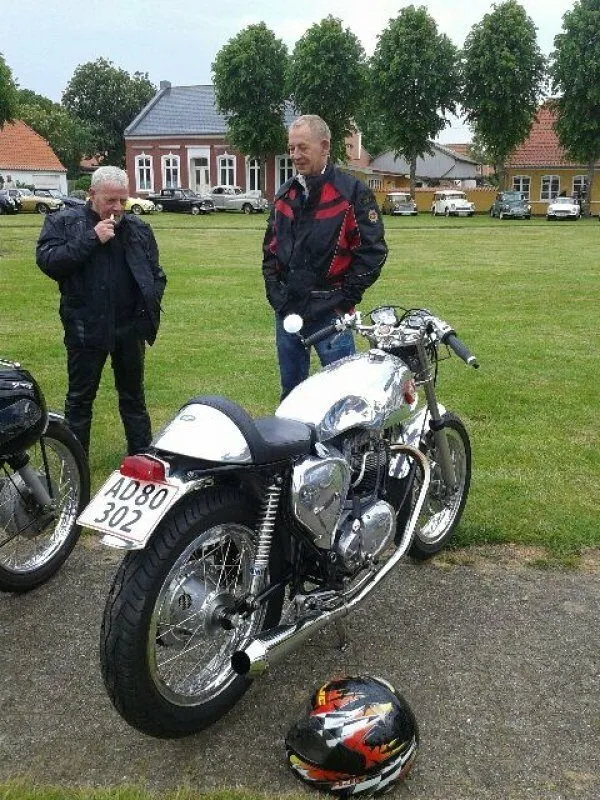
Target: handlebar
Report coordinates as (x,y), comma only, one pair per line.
(322,334)
(461,349)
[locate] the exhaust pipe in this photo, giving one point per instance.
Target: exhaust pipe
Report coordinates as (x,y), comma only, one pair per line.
(273,645)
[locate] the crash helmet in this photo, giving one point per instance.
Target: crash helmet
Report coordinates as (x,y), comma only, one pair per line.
(23,413)
(359,736)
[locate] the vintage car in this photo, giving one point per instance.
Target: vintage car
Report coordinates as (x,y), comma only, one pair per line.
(69,202)
(34,203)
(233,198)
(181,200)
(452,203)
(510,205)
(8,204)
(563,208)
(139,205)
(399,204)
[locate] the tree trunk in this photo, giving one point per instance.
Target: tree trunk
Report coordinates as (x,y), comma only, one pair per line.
(413,175)
(501,174)
(587,205)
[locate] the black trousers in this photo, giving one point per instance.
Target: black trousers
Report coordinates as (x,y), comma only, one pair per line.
(84,367)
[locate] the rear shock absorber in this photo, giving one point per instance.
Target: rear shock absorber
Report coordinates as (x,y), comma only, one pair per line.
(266,529)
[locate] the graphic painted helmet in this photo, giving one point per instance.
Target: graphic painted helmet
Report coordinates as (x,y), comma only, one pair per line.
(359,736)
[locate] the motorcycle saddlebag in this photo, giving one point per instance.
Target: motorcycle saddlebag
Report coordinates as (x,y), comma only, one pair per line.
(23,413)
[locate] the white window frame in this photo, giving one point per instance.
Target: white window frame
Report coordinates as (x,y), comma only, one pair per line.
(375,183)
(226,167)
(147,166)
(171,171)
(283,166)
(580,185)
(253,174)
(547,192)
(519,181)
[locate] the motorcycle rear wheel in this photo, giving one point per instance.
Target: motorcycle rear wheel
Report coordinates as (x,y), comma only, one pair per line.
(31,558)
(442,509)
(166,659)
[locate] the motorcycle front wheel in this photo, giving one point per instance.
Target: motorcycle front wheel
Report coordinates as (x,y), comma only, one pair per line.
(165,654)
(443,507)
(34,543)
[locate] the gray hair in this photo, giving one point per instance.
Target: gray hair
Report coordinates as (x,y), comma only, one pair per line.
(317,126)
(113,175)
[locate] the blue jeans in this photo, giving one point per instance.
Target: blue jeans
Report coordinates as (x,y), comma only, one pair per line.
(294,358)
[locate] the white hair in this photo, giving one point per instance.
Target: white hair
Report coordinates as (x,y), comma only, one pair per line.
(113,175)
(317,125)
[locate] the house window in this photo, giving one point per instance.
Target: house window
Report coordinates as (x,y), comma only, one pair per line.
(284,169)
(253,177)
(375,183)
(226,168)
(144,179)
(550,187)
(170,169)
(579,186)
(522,183)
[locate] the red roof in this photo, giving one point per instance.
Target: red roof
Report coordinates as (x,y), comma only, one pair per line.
(22,148)
(542,148)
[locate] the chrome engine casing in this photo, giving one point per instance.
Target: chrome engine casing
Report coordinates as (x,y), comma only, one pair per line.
(363,540)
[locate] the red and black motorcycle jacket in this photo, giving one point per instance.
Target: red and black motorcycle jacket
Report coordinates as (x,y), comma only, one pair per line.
(321,251)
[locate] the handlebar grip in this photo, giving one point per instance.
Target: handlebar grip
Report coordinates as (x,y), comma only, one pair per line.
(322,334)
(461,350)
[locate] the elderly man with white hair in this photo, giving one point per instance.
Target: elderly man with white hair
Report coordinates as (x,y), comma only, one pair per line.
(106,264)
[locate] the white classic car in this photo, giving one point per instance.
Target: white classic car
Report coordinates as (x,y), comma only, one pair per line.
(563,208)
(452,203)
(233,198)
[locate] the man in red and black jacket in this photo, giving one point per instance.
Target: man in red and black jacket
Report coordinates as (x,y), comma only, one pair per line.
(324,246)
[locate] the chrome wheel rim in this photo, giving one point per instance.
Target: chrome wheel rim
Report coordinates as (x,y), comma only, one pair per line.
(39,543)
(189,651)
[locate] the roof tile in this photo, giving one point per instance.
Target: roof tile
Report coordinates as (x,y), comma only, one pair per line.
(541,148)
(22,148)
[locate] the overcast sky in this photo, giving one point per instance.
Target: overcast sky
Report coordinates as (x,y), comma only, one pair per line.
(177,40)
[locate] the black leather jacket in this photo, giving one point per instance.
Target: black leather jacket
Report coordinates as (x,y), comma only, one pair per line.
(69,251)
(323,251)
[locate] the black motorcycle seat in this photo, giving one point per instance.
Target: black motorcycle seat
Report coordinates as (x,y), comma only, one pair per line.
(269,438)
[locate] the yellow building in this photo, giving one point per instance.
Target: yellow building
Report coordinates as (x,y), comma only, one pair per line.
(541,170)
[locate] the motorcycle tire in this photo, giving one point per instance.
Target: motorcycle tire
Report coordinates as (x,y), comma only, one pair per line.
(30,559)
(166,660)
(442,511)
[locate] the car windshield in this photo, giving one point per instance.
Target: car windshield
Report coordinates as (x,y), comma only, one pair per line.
(402,198)
(456,196)
(563,200)
(188,193)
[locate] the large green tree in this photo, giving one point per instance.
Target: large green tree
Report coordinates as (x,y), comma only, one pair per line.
(575,73)
(107,98)
(503,76)
(415,81)
(327,76)
(8,94)
(249,80)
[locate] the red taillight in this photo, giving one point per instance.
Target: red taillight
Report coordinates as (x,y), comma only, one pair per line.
(409,391)
(144,468)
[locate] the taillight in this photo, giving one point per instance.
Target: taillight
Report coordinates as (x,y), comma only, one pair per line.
(409,391)
(144,468)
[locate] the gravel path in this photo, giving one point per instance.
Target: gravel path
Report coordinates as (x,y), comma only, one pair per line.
(499,661)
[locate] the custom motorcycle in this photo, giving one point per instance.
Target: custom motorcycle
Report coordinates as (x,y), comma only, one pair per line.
(246,536)
(44,483)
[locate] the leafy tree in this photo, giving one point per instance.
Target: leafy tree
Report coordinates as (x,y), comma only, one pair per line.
(70,138)
(327,76)
(503,76)
(575,73)
(8,94)
(107,98)
(416,82)
(27,97)
(249,79)
(372,125)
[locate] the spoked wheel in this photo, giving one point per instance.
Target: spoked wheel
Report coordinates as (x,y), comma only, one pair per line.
(166,640)
(34,543)
(443,506)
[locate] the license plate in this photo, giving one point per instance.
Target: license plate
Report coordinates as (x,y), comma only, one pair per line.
(127,508)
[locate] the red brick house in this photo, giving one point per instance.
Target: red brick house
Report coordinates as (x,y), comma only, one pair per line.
(27,158)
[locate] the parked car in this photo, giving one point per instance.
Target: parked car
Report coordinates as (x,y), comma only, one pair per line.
(399,204)
(452,203)
(69,202)
(34,203)
(510,205)
(8,204)
(139,205)
(181,200)
(563,208)
(232,198)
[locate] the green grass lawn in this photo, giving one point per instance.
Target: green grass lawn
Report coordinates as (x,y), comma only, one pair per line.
(525,296)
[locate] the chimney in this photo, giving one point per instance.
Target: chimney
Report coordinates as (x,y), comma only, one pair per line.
(165,85)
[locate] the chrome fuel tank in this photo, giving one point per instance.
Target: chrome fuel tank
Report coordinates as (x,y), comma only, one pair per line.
(364,390)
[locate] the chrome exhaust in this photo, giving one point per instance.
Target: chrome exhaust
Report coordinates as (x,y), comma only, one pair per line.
(273,645)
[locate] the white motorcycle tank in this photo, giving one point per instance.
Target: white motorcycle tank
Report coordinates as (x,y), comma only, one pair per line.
(366,390)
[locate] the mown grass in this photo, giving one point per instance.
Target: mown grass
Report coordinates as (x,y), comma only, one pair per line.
(524,295)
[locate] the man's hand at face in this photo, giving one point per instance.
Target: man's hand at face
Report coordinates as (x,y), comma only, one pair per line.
(105,229)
